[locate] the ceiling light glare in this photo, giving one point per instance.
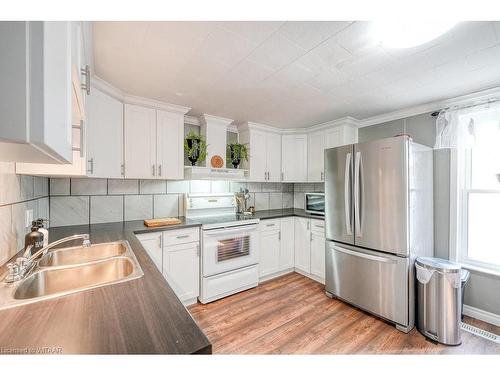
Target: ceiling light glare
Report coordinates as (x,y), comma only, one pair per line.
(407,34)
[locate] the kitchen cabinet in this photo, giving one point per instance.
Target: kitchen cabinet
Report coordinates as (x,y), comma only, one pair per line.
(287,244)
(302,244)
(104,136)
(318,249)
(310,248)
(320,140)
(170,145)
(270,238)
(176,253)
(78,113)
(152,243)
(153,143)
(181,268)
(294,158)
(36,100)
(264,148)
(315,157)
(139,141)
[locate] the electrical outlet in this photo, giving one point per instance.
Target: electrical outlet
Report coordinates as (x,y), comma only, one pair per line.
(28,214)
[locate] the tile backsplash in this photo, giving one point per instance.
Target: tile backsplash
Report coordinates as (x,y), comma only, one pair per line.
(88,200)
(18,194)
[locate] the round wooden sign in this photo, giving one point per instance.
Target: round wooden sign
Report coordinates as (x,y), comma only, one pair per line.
(216,161)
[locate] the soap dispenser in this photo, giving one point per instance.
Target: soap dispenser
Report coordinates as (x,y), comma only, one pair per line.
(33,238)
(42,229)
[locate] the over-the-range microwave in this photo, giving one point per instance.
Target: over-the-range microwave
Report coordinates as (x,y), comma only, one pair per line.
(315,203)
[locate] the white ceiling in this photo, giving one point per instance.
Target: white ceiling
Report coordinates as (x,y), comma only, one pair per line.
(291,74)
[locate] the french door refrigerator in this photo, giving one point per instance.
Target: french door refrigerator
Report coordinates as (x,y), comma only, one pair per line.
(378,219)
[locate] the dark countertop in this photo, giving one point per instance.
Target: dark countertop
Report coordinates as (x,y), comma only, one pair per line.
(138,316)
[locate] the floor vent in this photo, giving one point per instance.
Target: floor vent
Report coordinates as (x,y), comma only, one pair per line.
(481,333)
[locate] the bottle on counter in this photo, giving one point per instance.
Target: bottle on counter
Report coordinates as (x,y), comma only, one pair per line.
(34,238)
(44,231)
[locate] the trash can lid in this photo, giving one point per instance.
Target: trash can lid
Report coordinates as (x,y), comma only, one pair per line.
(438,264)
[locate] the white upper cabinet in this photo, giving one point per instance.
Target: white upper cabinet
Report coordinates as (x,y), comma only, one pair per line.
(35,102)
(104,136)
(264,148)
(294,158)
(153,143)
(140,142)
(169,145)
(316,162)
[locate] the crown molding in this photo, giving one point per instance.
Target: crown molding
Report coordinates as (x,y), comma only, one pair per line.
(107,88)
(192,120)
(463,100)
(205,119)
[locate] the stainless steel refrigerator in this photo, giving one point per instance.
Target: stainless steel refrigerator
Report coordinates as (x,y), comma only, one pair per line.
(379,218)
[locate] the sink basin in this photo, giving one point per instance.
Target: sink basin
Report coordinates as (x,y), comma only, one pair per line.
(78,255)
(51,281)
(73,269)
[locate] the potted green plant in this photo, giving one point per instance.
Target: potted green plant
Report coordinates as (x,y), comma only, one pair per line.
(195,147)
(236,152)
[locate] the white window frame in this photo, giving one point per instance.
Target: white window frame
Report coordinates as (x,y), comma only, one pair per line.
(460,174)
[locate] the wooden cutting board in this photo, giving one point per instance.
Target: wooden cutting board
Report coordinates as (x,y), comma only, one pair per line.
(161,222)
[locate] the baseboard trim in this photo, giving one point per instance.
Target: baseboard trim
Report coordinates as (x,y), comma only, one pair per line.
(309,275)
(485,316)
(275,275)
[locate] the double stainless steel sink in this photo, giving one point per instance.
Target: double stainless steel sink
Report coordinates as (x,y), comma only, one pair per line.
(73,269)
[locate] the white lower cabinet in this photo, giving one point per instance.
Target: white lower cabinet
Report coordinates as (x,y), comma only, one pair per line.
(276,247)
(310,248)
(302,244)
(152,243)
(176,253)
(181,268)
(269,248)
(287,244)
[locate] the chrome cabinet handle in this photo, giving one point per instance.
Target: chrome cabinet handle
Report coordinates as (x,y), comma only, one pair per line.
(159,170)
(81,138)
(91,169)
(86,72)
(123,169)
(183,236)
(198,249)
(153,169)
(269,225)
(279,235)
(321,178)
(282,176)
(357,210)
(308,224)
(347,200)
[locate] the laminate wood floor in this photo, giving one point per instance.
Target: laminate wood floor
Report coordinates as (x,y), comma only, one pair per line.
(292,315)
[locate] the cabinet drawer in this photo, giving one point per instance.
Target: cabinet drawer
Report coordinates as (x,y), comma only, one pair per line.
(318,226)
(177,237)
(270,224)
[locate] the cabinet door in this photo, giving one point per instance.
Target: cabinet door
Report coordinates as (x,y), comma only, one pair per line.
(258,156)
(169,145)
(318,255)
(316,157)
(287,244)
(269,252)
(294,158)
(273,160)
(302,244)
(181,268)
(153,245)
(333,138)
(140,142)
(104,135)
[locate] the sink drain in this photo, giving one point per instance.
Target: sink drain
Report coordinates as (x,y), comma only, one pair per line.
(481,333)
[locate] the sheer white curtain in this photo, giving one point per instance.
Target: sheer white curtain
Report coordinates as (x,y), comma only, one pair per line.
(458,127)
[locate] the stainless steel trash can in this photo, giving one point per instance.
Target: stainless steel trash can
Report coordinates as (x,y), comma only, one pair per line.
(439,299)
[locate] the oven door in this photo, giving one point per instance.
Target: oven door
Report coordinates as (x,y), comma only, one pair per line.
(315,203)
(228,249)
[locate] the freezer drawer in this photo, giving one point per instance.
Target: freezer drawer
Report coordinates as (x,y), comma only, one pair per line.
(373,281)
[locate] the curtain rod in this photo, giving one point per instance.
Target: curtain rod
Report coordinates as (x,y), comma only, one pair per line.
(456,107)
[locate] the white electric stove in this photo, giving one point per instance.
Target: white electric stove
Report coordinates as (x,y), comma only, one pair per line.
(230,245)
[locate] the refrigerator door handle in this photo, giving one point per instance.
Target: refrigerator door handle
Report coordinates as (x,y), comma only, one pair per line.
(357,210)
(347,196)
(365,256)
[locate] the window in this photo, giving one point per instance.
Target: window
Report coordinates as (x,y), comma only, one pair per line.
(479,194)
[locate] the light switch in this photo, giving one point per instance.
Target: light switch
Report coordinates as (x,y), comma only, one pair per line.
(29,218)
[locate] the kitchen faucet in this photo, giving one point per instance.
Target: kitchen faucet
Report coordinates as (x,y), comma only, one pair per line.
(21,267)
